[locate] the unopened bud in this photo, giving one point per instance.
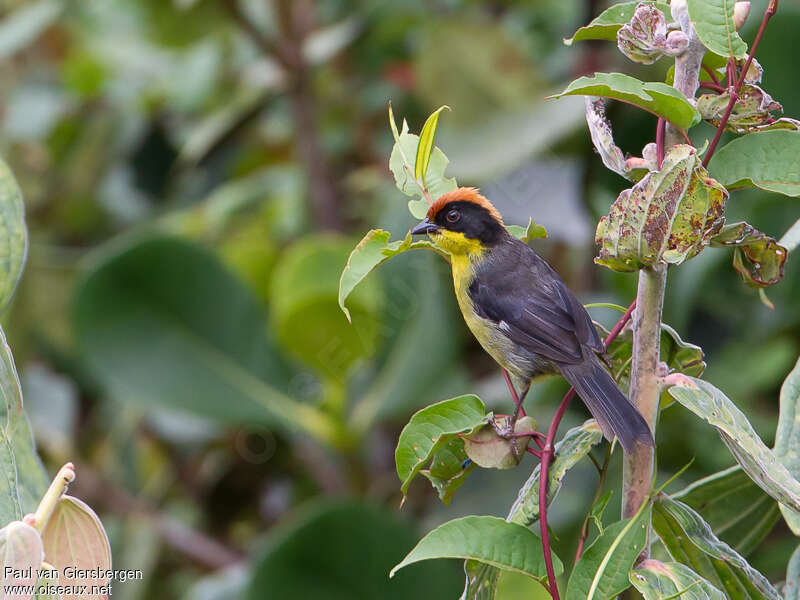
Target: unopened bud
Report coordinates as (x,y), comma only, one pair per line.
(741,10)
(677,42)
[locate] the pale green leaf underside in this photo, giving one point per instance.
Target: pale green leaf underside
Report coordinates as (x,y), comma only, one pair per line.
(13,234)
(490,540)
(787,437)
(767,160)
(656,580)
(656,97)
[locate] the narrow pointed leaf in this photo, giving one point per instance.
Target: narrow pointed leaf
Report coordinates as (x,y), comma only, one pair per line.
(736,509)
(425,146)
(787,437)
(75,537)
(658,98)
(656,580)
(602,571)
(429,430)
(575,444)
(690,541)
(490,540)
(373,250)
(758,461)
(607,23)
(767,160)
(713,21)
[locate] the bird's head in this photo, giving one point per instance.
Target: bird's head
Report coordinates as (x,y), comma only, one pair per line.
(463,222)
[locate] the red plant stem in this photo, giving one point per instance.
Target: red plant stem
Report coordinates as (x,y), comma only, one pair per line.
(711,74)
(772,8)
(536,453)
(660,131)
(712,86)
(547,457)
(513,392)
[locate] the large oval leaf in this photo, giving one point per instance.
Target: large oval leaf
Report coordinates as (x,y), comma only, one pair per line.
(655,97)
(738,511)
(490,540)
(658,581)
(75,543)
(766,159)
(787,437)
(20,558)
(343,551)
(713,21)
(690,541)
(607,23)
(756,459)
(602,571)
(162,323)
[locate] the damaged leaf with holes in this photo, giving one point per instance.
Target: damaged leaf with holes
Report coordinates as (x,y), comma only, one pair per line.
(752,111)
(757,257)
(667,217)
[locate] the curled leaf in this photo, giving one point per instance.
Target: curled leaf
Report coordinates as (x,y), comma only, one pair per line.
(669,216)
(603,138)
(758,258)
(644,38)
(488,449)
(425,146)
(606,25)
(752,111)
(20,558)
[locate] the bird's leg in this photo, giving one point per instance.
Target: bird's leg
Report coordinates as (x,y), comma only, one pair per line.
(514,396)
(519,410)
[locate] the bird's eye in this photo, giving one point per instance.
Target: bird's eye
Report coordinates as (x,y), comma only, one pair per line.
(453,216)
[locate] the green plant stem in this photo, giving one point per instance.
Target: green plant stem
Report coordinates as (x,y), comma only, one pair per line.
(644,391)
(58,487)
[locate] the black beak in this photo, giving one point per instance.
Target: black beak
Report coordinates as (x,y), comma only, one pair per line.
(424,227)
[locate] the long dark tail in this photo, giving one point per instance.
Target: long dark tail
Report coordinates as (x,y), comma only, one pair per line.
(608,405)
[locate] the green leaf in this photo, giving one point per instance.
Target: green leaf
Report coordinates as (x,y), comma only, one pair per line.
(758,258)
(690,541)
(23,480)
(787,436)
(425,146)
(343,551)
(607,23)
(303,307)
(575,444)
(13,232)
(791,591)
(668,216)
(490,540)
(447,472)
(373,250)
(183,333)
(533,231)
(658,98)
(765,159)
(430,428)
(21,551)
(656,580)
(758,461)
(406,146)
(736,509)
(75,537)
(482,579)
(602,571)
(713,21)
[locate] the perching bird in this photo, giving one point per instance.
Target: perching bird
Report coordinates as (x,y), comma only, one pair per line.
(522,312)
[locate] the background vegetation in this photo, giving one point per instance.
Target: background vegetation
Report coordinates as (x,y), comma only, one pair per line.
(195,174)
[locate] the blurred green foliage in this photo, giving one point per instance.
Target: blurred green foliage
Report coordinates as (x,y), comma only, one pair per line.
(192,194)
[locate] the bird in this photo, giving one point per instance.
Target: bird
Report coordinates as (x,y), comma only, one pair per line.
(523,314)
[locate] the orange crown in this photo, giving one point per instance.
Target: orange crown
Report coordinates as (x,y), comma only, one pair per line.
(464,194)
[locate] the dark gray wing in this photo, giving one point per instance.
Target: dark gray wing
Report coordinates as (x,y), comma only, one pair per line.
(532,304)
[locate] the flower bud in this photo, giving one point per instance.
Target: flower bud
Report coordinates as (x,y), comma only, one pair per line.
(741,10)
(677,42)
